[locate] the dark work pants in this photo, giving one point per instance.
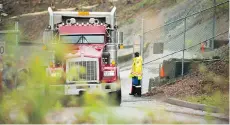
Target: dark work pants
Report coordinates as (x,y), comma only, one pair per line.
(136,89)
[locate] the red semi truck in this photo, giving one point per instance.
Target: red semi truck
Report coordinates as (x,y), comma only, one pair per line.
(93,40)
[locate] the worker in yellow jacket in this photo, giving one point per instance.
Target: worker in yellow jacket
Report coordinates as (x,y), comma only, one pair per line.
(136,74)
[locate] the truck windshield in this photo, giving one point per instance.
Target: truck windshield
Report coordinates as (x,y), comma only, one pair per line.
(73,39)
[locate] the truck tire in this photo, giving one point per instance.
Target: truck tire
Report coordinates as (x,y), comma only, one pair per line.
(116,97)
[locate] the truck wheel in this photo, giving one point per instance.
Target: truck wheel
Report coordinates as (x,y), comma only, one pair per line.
(118,99)
(116,96)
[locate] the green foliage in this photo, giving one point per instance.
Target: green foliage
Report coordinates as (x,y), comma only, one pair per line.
(213,87)
(130,21)
(34,99)
(218,99)
(202,68)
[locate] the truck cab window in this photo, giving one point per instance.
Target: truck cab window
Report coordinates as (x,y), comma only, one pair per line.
(79,39)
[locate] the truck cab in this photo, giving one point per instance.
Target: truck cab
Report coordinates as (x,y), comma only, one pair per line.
(92,40)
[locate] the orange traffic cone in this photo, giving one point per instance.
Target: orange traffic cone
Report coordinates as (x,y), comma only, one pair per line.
(162,73)
(202,47)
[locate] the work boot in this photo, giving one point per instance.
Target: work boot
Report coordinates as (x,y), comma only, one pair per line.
(138,92)
(138,95)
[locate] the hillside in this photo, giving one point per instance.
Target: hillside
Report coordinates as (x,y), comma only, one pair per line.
(32,25)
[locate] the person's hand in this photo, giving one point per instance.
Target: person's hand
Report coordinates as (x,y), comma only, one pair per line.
(139,77)
(130,75)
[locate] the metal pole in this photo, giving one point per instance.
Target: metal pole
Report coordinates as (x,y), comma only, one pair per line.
(17,34)
(133,47)
(142,51)
(141,46)
(142,40)
(1,10)
(214,24)
(182,68)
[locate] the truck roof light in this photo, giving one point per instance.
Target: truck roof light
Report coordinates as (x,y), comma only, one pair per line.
(83,13)
(113,63)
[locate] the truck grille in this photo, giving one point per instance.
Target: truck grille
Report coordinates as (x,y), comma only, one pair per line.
(90,73)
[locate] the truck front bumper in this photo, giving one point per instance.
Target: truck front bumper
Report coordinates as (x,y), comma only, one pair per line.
(76,89)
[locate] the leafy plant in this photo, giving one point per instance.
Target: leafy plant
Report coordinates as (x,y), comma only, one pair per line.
(130,21)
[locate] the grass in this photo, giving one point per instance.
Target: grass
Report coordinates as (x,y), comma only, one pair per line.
(217,99)
(130,21)
(214,90)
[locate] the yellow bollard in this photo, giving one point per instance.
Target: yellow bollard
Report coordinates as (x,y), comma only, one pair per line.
(121,47)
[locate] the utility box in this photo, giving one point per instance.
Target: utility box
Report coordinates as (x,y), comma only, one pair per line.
(178,68)
(219,43)
(173,67)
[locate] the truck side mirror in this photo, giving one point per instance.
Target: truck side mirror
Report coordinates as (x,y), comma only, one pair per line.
(120,40)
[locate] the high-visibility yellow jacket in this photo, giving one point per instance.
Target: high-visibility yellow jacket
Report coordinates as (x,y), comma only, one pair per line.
(137,67)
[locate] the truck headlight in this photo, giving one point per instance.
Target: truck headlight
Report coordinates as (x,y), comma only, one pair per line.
(109,73)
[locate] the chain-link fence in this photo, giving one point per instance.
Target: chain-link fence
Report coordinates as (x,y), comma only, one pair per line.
(12,46)
(9,38)
(131,43)
(188,34)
